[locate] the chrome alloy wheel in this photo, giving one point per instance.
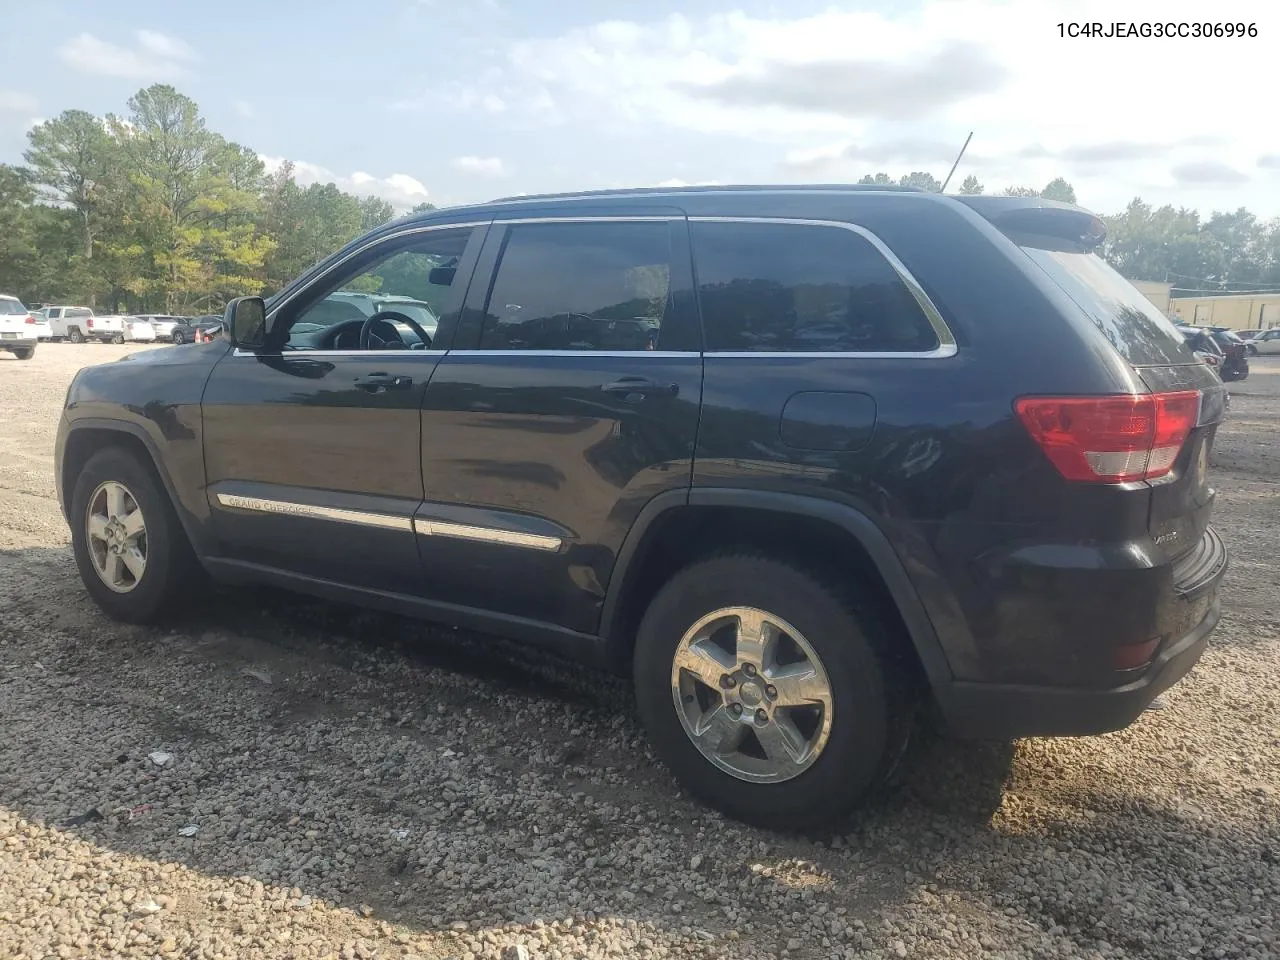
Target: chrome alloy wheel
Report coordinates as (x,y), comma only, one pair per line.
(752,694)
(116,533)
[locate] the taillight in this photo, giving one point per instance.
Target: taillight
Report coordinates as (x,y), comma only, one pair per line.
(1111,439)
(30,319)
(89,323)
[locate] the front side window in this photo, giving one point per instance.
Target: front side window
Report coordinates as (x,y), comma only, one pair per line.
(802,288)
(391,298)
(580,286)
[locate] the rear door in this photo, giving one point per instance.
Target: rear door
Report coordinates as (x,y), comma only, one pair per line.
(570,401)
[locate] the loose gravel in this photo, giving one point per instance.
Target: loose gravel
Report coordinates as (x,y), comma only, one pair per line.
(278,777)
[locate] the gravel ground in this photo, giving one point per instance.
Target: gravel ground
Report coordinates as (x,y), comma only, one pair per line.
(284,778)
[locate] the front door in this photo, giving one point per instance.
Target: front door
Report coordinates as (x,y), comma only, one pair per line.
(312,445)
(570,399)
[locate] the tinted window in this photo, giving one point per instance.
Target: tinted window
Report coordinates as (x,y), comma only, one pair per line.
(78,312)
(400,279)
(580,286)
(1141,333)
(8,307)
(786,287)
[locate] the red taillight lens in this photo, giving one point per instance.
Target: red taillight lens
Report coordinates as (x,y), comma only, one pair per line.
(30,319)
(1111,439)
(89,323)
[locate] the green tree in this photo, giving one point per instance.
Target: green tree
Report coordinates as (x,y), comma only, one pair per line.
(922,181)
(70,157)
(879,180)
(374,212)
(1059,189)
(1020,192)
(970,186)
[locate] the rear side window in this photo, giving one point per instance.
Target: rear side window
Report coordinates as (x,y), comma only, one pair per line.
(1140,333)
(581,286)
(795,288)
(78,312)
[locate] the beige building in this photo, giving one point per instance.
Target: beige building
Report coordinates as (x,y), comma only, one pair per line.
(1156,292)
(1242,311)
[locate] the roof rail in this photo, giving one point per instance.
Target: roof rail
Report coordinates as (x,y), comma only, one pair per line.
(717,188)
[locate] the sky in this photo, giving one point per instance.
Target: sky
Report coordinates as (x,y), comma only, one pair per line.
(463,101)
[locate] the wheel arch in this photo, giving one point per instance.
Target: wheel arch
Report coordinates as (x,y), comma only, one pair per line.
(88,436)
(640,568)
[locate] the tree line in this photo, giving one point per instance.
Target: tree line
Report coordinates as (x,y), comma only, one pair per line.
(154,212)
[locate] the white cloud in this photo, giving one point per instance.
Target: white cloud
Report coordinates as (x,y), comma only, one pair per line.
(480,166)
(399,189)
(156,56)
(846,92)
(15,101)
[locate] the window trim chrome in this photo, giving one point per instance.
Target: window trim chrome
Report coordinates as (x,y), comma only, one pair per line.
(311,511)
(946,347)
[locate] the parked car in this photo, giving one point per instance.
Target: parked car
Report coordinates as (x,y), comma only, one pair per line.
(1203,346)
(69,323)
(891,450)
(40,321)
(17,328)
(118,328)
(1235,354)
(1267,342)
(172,328)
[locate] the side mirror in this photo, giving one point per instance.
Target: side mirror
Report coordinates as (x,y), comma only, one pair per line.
(442,276)
(246,322)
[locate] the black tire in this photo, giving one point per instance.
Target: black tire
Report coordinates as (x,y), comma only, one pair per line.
(75,335)
(117,338)
(24,353)
(178,337)
(171,567)
(860,650)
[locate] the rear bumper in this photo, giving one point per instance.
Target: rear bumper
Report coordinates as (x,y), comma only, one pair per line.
(16,343)
(1070,637)
(1001,712)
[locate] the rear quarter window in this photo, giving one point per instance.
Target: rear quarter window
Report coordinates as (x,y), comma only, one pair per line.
(806,288)
(1139,332)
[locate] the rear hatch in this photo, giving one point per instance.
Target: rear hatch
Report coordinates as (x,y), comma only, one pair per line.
(1062,241)
(13,320)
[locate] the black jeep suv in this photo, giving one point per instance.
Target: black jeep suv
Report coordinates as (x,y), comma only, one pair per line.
(801,460)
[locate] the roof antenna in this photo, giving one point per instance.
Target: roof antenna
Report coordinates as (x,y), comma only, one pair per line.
(957,163)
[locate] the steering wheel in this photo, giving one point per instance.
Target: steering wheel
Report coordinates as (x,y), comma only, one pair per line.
(367,336)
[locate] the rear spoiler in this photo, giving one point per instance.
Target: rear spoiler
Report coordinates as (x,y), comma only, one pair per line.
(1045,219)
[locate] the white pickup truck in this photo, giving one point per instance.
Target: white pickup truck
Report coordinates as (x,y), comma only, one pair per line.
(79,324)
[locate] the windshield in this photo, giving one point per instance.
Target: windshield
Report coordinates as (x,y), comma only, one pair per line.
(1139,332)
(9,306)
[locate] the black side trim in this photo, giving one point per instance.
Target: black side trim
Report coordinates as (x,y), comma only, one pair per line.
(993,711)
(576,646)
(923,635)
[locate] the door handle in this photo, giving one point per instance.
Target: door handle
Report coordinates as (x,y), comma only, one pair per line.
(379,382)
(639,387)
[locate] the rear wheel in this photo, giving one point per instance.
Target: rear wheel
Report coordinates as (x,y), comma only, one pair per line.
(130,548)
(117,338)
(24,353)
(178,336)
(773,696)
(75,336)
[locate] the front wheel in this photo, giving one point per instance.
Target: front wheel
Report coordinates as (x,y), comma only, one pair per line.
(178,337)
(118,338)
(773,696)
(130,548)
